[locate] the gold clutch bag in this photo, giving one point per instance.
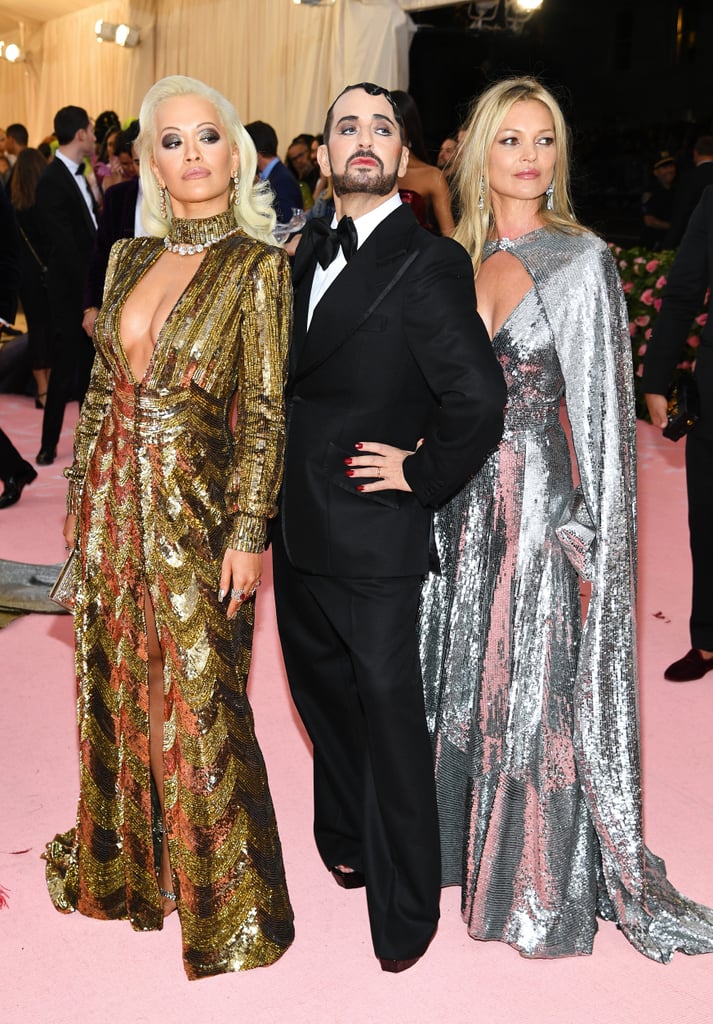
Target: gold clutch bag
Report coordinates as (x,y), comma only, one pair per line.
(64,588)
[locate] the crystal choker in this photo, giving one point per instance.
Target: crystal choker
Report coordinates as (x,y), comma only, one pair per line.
(187,236)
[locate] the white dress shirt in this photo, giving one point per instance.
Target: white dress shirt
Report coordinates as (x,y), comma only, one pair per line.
(364,226)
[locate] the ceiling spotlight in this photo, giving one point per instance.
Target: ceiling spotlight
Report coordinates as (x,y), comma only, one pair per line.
(126,35)
(13,53)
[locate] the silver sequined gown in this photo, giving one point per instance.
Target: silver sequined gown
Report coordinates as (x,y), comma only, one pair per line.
(534,717)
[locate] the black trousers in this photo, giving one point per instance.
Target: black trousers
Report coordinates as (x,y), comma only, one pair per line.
(11,462)
(72,358)
(699,482)
(351,655)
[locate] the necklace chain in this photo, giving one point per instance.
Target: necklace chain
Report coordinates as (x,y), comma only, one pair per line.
(189,249)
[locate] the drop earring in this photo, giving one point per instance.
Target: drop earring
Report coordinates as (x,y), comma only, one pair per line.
(234,188)
(162,202)
(481,197)
(549,192)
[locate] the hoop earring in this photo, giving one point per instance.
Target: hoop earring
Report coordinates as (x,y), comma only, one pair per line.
(481,197)
(549,192)
(162,202)
(234,188)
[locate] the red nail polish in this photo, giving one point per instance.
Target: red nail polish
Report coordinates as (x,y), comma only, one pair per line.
(348,462)
(358,445)
(360,487)
(349,472)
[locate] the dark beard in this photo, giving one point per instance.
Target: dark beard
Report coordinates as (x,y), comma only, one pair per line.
(354,183)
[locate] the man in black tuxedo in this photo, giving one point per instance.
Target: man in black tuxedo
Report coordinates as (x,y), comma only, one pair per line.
(690,189)
(394,398)
(691,275)
(68,217)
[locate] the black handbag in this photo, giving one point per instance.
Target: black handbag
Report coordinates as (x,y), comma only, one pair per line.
(684,408)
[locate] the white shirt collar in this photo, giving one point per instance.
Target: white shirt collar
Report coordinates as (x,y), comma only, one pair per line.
(368,222)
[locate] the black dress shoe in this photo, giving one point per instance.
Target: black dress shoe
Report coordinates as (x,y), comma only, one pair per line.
(396,966)
(691,666)
(45,457)
(348,879)
(14,486)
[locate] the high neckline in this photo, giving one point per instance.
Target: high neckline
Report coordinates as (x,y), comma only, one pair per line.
(188,235)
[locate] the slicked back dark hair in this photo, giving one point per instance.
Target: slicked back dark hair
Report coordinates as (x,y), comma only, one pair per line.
(68,121)
(371,90)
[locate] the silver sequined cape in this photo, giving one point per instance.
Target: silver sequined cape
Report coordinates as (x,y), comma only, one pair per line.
(534,715)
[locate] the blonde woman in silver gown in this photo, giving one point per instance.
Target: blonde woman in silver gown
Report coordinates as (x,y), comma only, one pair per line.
(533,715)
(169,504)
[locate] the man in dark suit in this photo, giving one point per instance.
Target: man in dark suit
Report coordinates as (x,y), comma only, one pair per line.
(68,217)
(394,398)
(691,275)
(690,189)
(271,169)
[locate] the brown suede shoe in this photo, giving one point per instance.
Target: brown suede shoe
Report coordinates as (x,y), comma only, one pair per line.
(691,666)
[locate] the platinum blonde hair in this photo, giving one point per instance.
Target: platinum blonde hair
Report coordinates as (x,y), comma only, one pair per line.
(253,210)
(487,114)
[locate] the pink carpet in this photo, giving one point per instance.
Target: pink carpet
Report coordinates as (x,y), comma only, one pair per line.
(71,970)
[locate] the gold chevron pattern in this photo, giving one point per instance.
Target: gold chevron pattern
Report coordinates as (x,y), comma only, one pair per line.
(162,486)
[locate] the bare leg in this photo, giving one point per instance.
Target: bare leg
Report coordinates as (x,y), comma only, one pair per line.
(156,721)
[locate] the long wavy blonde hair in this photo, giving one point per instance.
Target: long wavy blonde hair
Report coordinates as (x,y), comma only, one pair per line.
(487,114)
(253,210)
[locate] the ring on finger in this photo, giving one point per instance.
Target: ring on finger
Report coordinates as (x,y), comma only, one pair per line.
(237,595)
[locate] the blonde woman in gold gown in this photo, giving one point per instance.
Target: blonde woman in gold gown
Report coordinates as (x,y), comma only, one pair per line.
(168,503)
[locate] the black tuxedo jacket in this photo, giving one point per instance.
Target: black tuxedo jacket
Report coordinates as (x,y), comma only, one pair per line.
(68,233)
(687,194)
(117,221)
(395,352)
(691,275)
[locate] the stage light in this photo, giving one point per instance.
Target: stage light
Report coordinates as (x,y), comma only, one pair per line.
(12,53)
(105,31)
(126,35)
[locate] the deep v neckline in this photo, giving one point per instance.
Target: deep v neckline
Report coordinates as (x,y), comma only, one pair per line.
(133,379)
(511,245)
(513,311)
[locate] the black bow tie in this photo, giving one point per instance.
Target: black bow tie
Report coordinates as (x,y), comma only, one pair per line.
(327,241)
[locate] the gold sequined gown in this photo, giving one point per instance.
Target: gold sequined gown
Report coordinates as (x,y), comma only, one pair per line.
(162,487)
(534,714)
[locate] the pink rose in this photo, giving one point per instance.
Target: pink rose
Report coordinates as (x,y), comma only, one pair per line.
(623,264)
(642,349)
(632,329)
(693,341)
(647,297)
(642,321)
(658,303)
(628,286)
(702,320)
(639,259)
(640,370)
(661,283)
(647,333)
(652,265)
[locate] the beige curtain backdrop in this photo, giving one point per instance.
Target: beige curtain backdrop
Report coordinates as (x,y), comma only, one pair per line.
(277,61)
